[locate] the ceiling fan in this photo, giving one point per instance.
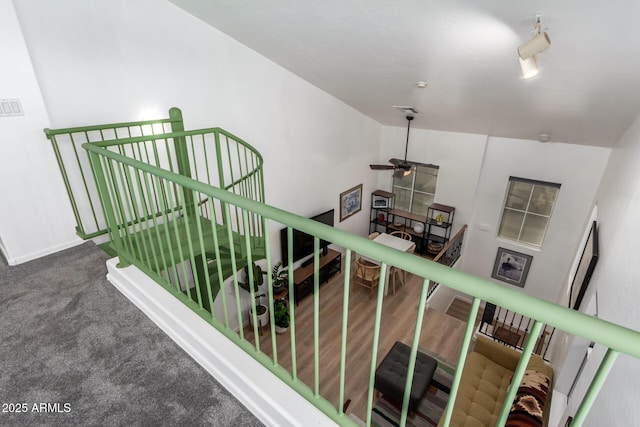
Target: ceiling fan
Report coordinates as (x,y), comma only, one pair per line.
(401,167)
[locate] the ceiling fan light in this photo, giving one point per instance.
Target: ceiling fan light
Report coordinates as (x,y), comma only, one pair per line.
(407,172)
(529,67)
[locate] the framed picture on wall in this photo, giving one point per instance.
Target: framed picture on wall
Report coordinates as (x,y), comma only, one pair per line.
(584,271)
(350,202)
(511,267)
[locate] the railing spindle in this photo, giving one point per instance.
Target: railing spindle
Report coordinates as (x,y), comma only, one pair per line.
(592,392)
(518,374)
(345,320)
(234,268)
(178,240)
(462,357)
(292,314)
(272,320)
(165,225)
(376,339)
(316,317)
(219,268)
(414,351)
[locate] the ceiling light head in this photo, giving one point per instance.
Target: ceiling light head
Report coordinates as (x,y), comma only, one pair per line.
(421,85)
(544,137)
(538,43)
(529,67)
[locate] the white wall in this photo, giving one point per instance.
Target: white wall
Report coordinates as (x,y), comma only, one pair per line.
(473,177)
(459,156)
(106,61)
(35,218)
(616,279)
(577,168)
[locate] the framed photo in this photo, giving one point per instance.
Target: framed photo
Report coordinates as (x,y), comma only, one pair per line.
(511,267)
(584,271)
(350,202)
(380,202)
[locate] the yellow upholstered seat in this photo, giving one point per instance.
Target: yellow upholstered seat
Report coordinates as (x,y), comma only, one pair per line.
(485,379)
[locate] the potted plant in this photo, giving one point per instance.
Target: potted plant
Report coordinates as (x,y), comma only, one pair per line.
(278,277)
(261,309)
(281,315)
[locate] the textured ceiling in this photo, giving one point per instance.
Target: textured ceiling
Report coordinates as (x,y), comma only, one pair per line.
(371,53)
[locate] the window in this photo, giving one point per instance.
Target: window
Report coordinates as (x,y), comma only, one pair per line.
(527,210)
(415,192)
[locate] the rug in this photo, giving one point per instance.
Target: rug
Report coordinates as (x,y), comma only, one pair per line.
(430,408)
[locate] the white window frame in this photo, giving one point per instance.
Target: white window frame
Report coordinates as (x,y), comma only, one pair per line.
(413,184)
(526,210)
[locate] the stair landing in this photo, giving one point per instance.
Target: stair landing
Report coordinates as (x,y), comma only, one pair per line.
(460,308)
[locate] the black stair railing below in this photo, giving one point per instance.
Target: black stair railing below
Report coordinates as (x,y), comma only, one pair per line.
(511,329)
(448,256)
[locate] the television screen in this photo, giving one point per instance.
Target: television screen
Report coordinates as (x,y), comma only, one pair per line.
(303,242)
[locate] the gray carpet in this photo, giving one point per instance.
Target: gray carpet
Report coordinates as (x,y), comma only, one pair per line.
(3,261)
(69,339)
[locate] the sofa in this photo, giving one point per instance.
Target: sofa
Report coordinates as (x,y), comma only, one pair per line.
(486,376)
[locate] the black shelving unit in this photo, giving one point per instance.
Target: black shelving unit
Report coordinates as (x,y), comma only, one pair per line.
(381,204)
(439,224)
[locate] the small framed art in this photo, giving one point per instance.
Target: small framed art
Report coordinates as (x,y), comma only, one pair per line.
(350,202)
(511,267)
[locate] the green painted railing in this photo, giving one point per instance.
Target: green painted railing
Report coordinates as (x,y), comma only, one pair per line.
(76,170)
(182,239)
(197,218)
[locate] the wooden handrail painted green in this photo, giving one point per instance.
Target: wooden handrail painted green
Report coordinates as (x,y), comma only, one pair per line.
(617,338)
(74,168)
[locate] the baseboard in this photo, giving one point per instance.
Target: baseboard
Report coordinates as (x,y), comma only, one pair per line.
(40,253)
(265,395)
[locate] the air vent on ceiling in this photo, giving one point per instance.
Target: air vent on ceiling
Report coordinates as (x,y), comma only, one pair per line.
(406,109)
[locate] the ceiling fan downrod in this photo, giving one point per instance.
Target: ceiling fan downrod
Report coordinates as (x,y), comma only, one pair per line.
(406,147)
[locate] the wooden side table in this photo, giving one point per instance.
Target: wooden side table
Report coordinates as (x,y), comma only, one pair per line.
(507,336)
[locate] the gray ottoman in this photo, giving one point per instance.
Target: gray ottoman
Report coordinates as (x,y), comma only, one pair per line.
(391,375)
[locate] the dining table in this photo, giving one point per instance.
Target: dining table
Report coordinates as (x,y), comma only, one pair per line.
(393,242)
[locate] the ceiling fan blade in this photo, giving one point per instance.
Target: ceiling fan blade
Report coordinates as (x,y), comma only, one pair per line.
(422,164)
(381,167)
(402,167)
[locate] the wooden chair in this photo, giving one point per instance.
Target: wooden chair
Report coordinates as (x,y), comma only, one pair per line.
(402,234)
(367,275)
(393,271)
(373,235)
(396,275)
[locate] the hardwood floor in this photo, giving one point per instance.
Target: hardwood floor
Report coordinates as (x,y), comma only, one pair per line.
(460,310)
(440,334)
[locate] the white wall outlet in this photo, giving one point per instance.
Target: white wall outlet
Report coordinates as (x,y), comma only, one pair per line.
(11,107)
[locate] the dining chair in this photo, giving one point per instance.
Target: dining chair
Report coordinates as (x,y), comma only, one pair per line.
(367,275)
(402,234)
(393,271)
(396,276)
(373,235)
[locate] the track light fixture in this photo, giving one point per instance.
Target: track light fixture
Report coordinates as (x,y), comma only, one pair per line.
(527,51)
(528,66)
